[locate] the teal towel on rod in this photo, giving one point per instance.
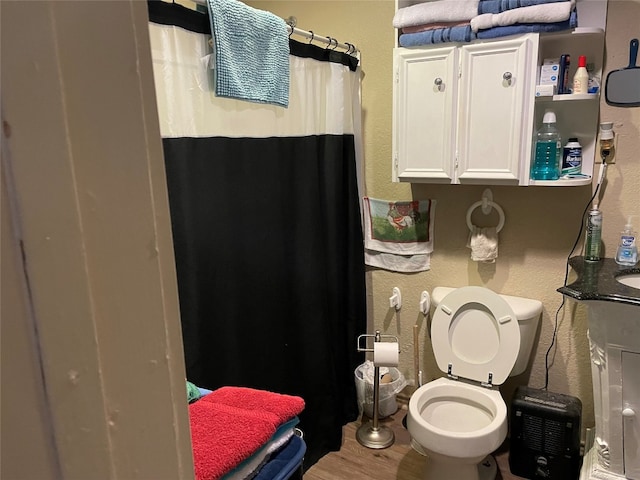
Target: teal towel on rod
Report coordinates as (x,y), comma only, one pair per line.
(251,52)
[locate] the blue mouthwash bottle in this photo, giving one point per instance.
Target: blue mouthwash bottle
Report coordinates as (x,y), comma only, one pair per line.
(548,150)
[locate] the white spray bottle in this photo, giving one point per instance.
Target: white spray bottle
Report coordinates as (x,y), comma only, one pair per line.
(627,253)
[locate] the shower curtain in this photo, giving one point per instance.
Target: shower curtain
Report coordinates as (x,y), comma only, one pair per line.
(266,224)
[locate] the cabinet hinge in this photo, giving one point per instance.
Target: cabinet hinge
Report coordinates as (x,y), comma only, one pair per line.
(455,164)
(397,74)
(395,162)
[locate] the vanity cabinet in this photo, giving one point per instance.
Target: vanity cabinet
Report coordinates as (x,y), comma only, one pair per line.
(467,113)
(631,413)
(612,448)
(615,363)
(459,111)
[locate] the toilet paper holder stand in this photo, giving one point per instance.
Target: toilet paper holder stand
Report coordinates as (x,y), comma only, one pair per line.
(371,434)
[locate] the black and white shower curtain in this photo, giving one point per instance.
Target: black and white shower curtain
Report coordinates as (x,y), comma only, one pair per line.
(266,224)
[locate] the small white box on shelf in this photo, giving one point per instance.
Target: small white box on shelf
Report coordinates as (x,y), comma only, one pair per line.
(545,90)
(549,71)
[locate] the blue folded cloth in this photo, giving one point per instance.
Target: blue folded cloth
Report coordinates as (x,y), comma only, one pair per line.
(285,462)
(257,460)
(204,391)
(499,6)
(438,35)
(518,28)
(251,51)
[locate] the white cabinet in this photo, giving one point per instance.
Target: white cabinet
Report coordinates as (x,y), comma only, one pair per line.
(614,345)
(631,413)
(425,113)
(460,111)
(497,90)
(467,113)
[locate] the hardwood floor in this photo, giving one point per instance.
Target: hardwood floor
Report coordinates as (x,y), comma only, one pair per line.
(399,461)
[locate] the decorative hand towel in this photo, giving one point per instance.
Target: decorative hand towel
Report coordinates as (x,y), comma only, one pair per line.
(483,243)
(497,6)
(436,11)
(398,235)
(284,407)
(550,13)
(223,436)
(251,51)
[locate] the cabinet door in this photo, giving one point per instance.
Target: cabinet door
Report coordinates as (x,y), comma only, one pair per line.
(424,115)
(497,90)
(631,414)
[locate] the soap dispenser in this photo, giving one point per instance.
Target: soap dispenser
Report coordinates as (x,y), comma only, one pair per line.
(627,253)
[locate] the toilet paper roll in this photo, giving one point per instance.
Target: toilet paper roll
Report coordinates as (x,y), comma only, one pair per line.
(385,354)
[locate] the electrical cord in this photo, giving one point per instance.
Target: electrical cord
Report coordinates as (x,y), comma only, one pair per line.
(566,277)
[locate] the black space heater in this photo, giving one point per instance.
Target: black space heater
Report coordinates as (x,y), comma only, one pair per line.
(545,435)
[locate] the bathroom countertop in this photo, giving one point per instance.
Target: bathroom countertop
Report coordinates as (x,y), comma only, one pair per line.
(597,281)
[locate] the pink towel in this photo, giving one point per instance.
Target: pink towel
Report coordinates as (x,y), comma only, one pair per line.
(223,436)
(284,407)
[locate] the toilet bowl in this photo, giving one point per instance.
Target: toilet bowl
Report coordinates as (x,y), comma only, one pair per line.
(459,420)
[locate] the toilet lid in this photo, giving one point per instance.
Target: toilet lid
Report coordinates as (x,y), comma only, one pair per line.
(476,332)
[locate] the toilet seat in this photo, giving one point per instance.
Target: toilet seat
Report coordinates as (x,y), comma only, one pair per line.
(475,335)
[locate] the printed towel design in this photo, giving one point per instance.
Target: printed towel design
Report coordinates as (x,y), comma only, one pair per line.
(398,235)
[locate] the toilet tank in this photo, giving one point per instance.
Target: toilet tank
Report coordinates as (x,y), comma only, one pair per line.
(527,312)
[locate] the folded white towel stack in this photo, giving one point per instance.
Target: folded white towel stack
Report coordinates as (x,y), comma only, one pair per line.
(436,11)
(483,243)
(543,13)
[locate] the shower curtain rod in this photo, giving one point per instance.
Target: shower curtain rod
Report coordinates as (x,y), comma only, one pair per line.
(331,42)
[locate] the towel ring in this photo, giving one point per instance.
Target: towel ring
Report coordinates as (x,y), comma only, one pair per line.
(489,203)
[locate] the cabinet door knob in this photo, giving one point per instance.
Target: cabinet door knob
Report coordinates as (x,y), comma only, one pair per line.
(628,412)
(507,76)
(438,83)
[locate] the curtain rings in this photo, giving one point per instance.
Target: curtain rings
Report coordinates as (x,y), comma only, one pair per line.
(351,47)
(312,36)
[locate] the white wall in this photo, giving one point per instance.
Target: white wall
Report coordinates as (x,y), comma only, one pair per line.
(93,382)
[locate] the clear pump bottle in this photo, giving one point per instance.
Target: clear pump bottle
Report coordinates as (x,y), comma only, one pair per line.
(627,253)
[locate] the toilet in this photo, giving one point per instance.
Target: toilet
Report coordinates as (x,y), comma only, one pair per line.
(479,339)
